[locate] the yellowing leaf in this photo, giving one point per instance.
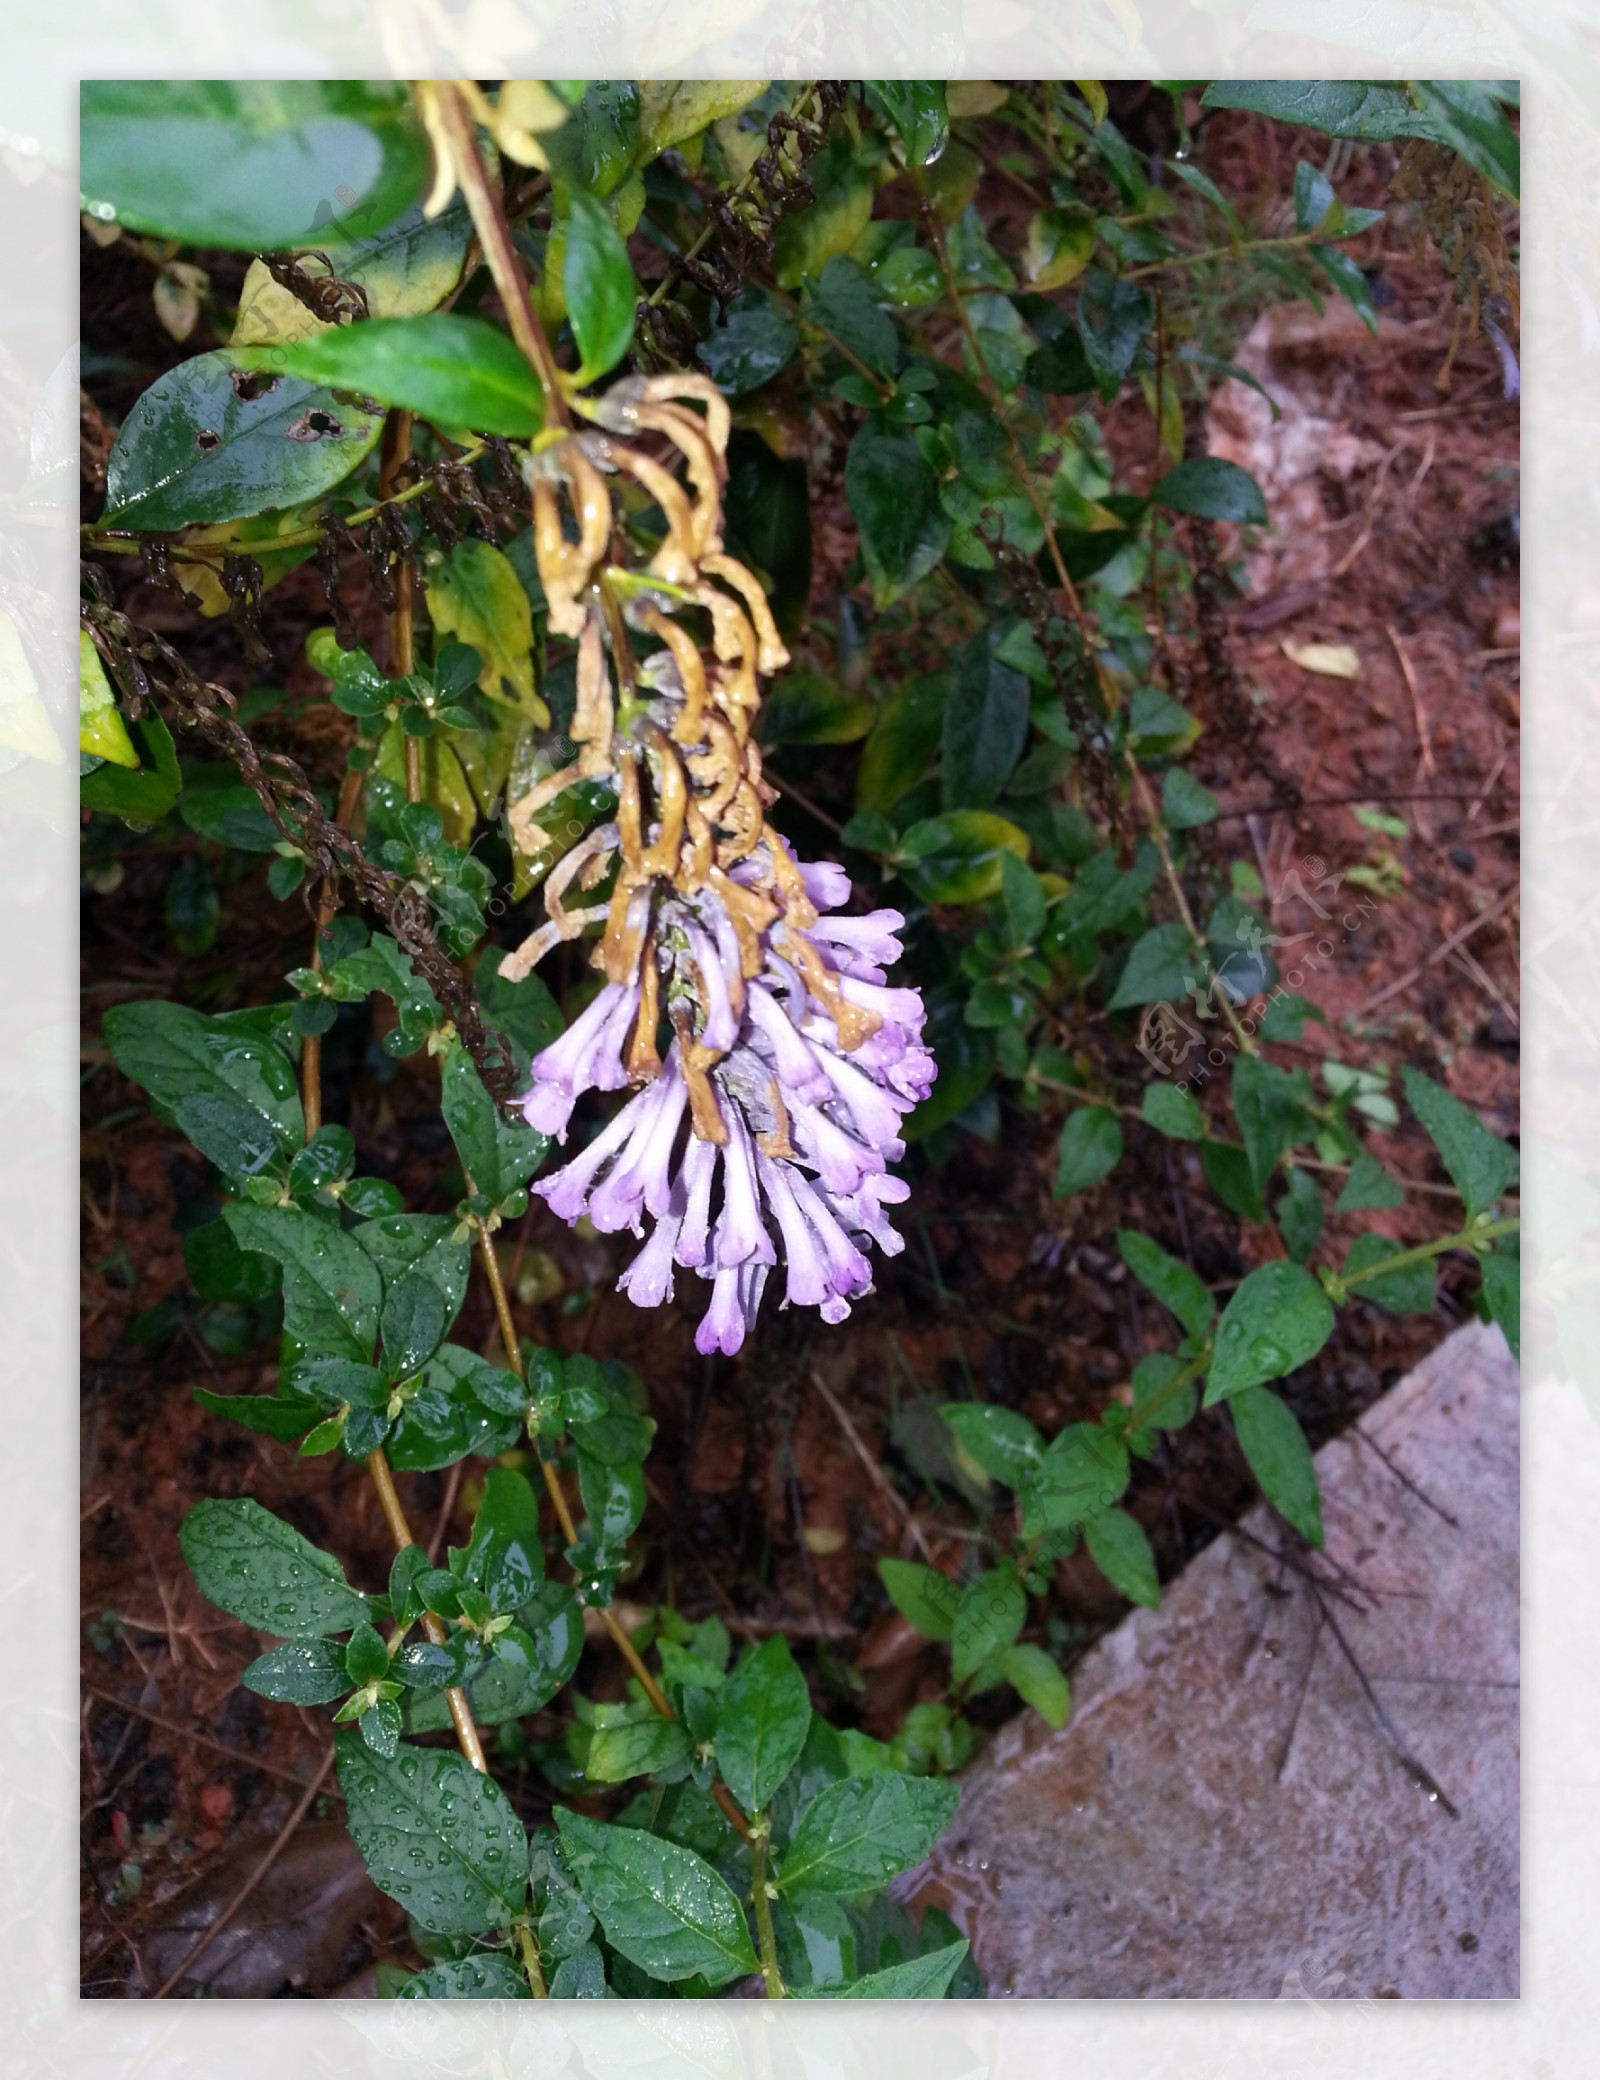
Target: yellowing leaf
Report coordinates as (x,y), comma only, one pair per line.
(444,785)
(1058,248)
(102,733)
(256,531)
(24,725)
(1332,660)
(1095,95)
(474,595)
(408,268)
(973,97)
(672,110)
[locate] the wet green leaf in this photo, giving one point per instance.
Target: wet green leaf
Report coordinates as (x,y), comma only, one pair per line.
(895,500)
(1185,804)
(1212,489)
(1038,1681)
(1277,1319)
(436,1835)
(763,1716)
(989,1614)
(811,708)
(260,1570)
(408,267)
(862,1832)
(1480,1164)
(497,1153)
(1113,317)
(985,724)
(1089,1150)
(903,741)
(175,1053)
(1407,1291)
(489,1977)
(1369,1186)
(1174,1284)
(302,1671)
(254,165)
(1156,967)
(662,1906)
(916,1979)
(140,797)
(331,1290)
(452,370)
(1004,1444)
(1361,109)
(213,440)
(1502,1290)
(1172,1112)
(1299,1214)
(922,1594)
(917,109)
(474,594)
(1275,1447)
(1270,1106)
(1118,1547)
(754,342)
(1060,242)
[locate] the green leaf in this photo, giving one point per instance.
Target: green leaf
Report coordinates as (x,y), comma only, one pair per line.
(102,733)
(1502,1290)
(505,1557)
(1360,109)
(917,109)
(552,1625)
(1004,1444)
(988,1616)
(1172,1112)
(254,165)
(1466,114)
(269,1415)
(412,1324)
(985,723)
(1212,489)
(1228,1174)
(1038,1681)
(1022,897)
(1300,1215)
(662,1906)
(859,1833)
(331,1289)
(904,739)
(811,708)
(1269,1104)
(1349,280)
(805,240)
(1090,1149)
(143,797)
(845,302)
(303,1671)
(1174,1284)
(435,1834)
(488,1977)
(1084,1471)
(1407,1291)
(175,1053)
(1156,967)
(1113,317)
(673,111)
(915,1979)
(921,1594)
(956,858)
(228,1132)
(1185,804)
(1368,1187)
(230,816)
(1313,196)
(1118,1547)
(597,281)
(763,1716)
(1275,1447)
(1152,1383)
(642,1747)
(1277,1319)
(421,1242)
(525,1012)
(894,498)
(452,370)
(260,1570)
(1481,1166)
(213,440)
(755,341)
(497,1153)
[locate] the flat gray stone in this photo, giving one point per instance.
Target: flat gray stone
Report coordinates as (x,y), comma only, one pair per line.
(1224,1816)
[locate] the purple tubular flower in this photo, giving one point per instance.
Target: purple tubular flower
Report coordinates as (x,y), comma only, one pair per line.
(773,1106)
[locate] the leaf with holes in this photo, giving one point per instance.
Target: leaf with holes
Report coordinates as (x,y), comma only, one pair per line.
(213,440)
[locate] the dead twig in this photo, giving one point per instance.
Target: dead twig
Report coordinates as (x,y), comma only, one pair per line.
(875,1472)
(279,1844)
(1441,952)
(1408,673)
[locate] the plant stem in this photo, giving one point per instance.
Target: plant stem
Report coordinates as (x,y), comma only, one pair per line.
(499,249)
(527,1943)
(1170,1392)
(569,1530)
(1233,252)
(1158,833)
(1466,1238)
(766,1936)
(396,454)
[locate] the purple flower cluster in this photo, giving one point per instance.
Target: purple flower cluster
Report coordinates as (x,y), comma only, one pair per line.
(774,1104)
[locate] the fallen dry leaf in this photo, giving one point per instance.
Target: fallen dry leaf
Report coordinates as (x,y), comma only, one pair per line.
(1332,660)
